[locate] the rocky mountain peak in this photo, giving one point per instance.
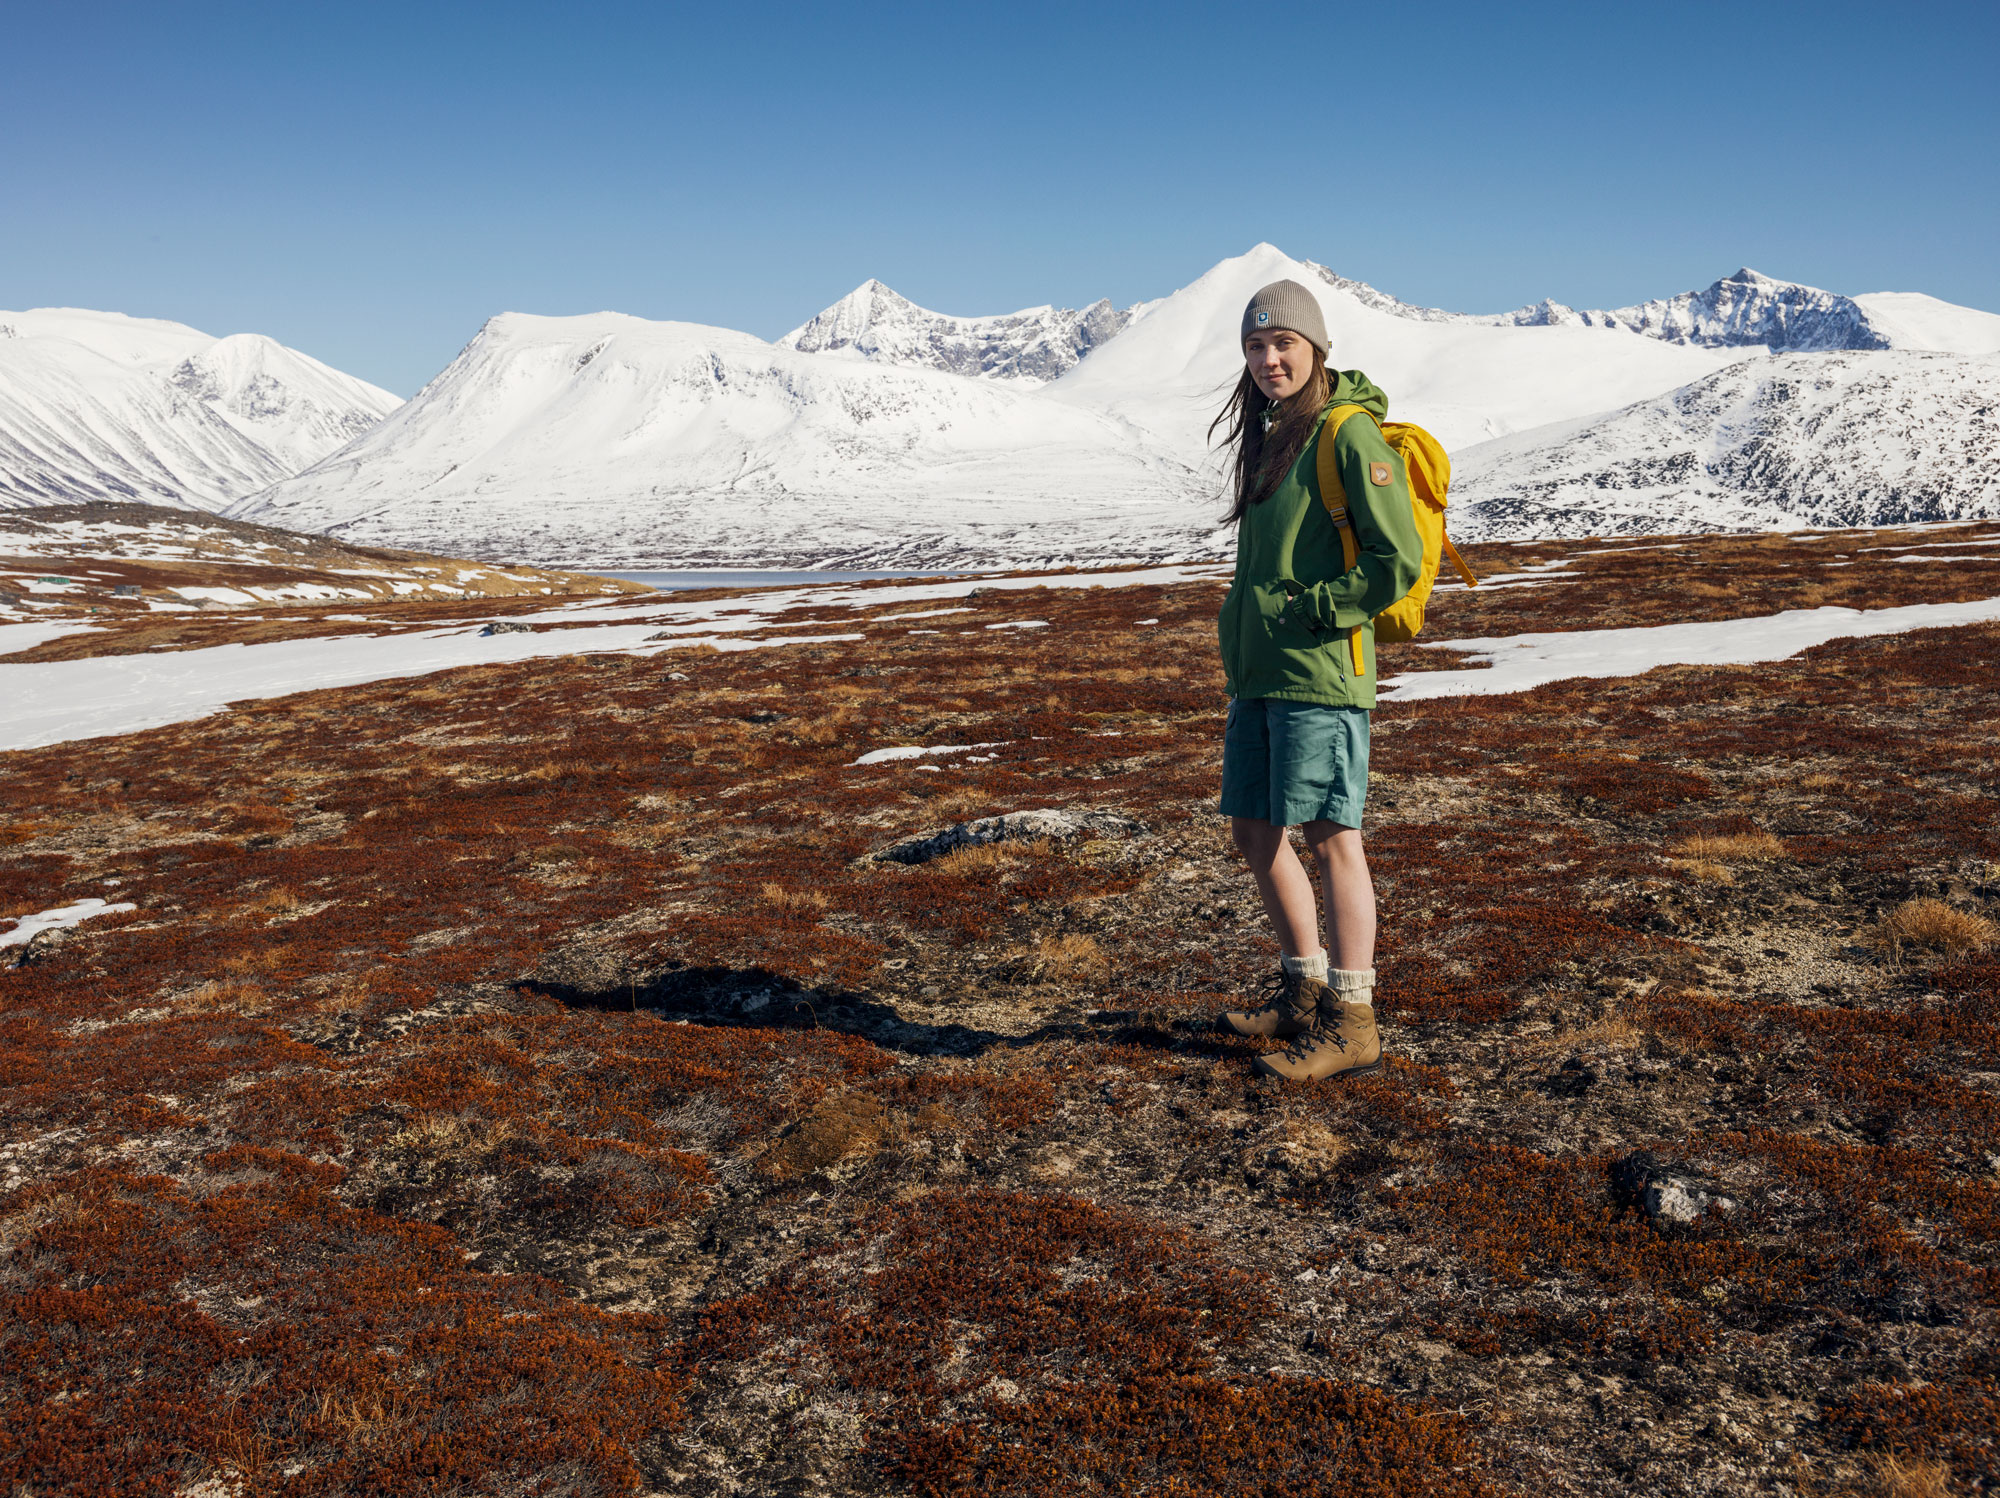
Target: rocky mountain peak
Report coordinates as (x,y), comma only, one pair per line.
(1029,347)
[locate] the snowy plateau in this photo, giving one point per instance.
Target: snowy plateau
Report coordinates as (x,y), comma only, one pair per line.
(99,406)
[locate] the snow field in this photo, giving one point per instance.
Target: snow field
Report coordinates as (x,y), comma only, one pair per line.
(1520,663)
(56,701)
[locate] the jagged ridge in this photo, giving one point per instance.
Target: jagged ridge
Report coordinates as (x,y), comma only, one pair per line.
(1030,347)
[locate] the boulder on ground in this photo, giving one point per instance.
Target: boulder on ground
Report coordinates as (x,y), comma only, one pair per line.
(1667,1193)
(1044,823)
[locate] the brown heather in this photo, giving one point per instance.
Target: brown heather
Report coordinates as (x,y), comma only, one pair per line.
(523,1081)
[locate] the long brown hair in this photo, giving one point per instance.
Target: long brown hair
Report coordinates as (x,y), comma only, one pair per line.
(1263,455)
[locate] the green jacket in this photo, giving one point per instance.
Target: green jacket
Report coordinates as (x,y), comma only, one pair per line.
(1294,602)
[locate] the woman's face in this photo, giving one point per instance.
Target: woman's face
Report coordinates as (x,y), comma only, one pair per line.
(1280,362)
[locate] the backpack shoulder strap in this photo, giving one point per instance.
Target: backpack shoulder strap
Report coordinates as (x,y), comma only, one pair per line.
(1333,494)
(1332,491)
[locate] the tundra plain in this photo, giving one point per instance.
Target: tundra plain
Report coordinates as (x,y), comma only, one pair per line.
(527,1079)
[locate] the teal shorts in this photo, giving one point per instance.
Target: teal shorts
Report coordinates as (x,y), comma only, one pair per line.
(1292,762)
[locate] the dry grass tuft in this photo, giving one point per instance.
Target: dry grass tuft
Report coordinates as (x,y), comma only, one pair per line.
(1062,959)
(961,803)
(1612,1032)
(1705,869)
(1729,847)
(214,997)
(984,858)
(281,901)
(793,899)
(1908,1477)
(1936,926)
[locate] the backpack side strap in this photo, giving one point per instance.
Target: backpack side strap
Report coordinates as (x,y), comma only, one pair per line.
(1333,494)
(1459,562)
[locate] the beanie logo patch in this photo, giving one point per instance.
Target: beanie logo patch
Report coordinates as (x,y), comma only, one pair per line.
(1378,474)
(1263,319)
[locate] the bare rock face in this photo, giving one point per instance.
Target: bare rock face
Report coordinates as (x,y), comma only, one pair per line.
(1062,826)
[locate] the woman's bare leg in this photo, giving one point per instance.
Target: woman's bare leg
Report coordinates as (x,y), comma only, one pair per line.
(1350,893)
(1281,880)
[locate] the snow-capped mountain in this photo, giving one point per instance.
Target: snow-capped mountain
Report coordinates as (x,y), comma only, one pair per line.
(611,441)
(1030,347)
(1746,310)
(608,440)
(1465,380)
(97,405)
(1800,440)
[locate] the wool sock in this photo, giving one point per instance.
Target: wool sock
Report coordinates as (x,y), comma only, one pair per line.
(1305,967)
(1354,986)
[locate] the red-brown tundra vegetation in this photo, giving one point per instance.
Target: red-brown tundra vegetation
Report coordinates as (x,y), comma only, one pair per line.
(524,1080)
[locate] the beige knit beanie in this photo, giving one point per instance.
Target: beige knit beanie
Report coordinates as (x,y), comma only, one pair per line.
(1286,304)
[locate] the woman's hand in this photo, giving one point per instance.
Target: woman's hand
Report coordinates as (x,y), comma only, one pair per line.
(1296,607)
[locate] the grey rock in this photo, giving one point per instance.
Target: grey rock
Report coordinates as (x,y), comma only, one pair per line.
(1044,823)
(503,627)
(1667,1193)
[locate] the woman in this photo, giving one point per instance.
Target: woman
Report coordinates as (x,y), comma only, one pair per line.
(1296,624)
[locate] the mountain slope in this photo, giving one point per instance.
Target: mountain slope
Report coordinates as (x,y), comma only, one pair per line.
(1029,347)
(1747,310)
(1813,440)
(96,405)
(608,439)
(1465,380)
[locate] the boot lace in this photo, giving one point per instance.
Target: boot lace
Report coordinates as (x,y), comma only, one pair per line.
(1313,1039)
(1279,993)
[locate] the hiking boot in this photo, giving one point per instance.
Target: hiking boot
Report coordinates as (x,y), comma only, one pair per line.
(1342,1042)
(1290,1002)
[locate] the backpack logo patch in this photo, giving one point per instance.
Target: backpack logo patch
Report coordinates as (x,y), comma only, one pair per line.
(1378,474)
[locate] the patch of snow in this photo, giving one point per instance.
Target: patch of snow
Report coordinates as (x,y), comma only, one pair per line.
(15,637)
(27,927)
(916,751)
(1520,663)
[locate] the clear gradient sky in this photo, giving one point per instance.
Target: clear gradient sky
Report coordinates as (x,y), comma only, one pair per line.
(369,182)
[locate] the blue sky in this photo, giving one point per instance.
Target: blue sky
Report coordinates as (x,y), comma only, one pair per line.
(370,182)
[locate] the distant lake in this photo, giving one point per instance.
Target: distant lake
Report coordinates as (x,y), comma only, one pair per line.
(676,581)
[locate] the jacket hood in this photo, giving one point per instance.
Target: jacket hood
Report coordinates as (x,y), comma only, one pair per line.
(1353,388)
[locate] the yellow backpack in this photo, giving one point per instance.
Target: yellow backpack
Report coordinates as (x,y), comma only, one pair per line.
(1429,473)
